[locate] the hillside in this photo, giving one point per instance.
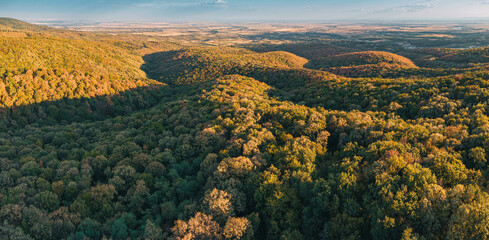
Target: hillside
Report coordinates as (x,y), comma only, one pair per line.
(202,64)
(348,62)
(49,67)
(14,24)
(461,57)
(313,51)
(207,63)
(366,58)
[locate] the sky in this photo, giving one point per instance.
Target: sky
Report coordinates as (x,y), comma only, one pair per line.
(244,10)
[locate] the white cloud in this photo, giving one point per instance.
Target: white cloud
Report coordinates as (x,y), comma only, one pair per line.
(173,3)
(216,4)
(415,7)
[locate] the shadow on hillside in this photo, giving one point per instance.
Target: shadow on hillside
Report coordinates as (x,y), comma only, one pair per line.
(66,110)
(88,109)
(170,66)
(163,66)
(314,51)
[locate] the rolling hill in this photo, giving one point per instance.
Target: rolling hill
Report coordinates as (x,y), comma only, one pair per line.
(366,58)
(202,64)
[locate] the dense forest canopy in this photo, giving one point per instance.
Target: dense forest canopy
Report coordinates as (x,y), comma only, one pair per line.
(134,137)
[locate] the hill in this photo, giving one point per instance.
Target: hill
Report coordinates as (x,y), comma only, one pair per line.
(206,63)
(57,67)
(461,56)
(202,64)
(310,50)
(366,58)
(14,24)
(46,69)
(348,62)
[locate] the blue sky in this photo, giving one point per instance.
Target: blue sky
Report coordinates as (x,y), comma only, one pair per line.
(244,10)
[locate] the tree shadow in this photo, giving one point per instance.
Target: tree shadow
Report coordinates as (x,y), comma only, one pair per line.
(163,66)
(69,110)
(177,69)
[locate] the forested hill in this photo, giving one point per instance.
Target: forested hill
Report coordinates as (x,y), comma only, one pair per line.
(44,72)
(45,68)
(14,24)
(130,137)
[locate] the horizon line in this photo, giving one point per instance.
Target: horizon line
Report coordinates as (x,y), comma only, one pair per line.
(373,20)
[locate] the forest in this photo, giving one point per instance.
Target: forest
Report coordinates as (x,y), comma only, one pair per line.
(128,136)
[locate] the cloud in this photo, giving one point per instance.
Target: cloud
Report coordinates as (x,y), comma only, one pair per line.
(168,3)
(479,2)
(181,4)
(415,7)
(216,3)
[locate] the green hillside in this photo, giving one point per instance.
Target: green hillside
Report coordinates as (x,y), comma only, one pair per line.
(207,63)
(367,58)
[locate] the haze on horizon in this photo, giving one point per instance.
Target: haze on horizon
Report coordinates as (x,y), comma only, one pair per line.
(241,10)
